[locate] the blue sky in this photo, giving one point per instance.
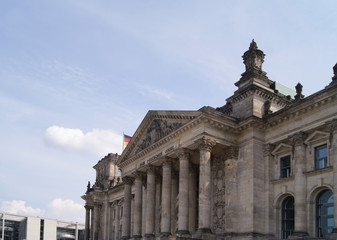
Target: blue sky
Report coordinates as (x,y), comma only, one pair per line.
(76,74)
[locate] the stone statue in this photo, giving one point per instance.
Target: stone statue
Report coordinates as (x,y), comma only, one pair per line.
(88,187)
(299,94)
(334,78)
(267,110)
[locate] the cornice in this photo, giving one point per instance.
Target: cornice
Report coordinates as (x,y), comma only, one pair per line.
(301,107)
(277,98)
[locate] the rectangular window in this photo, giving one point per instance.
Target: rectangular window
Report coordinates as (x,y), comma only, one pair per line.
(285,166)
(321,156)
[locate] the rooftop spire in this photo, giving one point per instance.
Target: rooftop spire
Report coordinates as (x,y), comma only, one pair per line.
(253,58)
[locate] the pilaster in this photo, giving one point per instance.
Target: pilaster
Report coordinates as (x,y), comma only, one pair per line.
(300,230)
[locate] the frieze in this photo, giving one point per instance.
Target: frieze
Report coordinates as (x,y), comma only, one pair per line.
(155,157)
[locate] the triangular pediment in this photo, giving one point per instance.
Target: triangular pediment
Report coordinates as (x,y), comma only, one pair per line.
(282,148)
(316,136)
(155,126)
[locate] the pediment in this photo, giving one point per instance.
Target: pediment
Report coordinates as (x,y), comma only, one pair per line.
(155,126)
(316,136)
(282,148)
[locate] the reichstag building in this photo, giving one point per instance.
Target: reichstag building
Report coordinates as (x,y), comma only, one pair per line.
(263,166)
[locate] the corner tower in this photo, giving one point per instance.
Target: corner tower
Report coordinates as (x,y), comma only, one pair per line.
(256,94)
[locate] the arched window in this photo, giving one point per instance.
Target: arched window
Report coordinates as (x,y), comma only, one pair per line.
(324,213)
(288,213)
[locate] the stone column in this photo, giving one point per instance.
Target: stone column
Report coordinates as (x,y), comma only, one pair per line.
(117,222)
(192,196)
(150,202)
(137,227)
(144,209)
(300,230)
(158,205)
(205,148)
(87,222)
(92,221)
(174,194)
(184,156)
(127,207)
(166,199)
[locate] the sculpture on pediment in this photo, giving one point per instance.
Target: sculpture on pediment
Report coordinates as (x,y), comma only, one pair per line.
(158,129)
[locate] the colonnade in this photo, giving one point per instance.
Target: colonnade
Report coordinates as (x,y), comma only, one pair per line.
(171,186)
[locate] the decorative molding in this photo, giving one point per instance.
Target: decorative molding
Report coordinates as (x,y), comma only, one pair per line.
(298,138)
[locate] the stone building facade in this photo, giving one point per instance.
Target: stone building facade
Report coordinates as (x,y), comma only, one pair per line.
(263,166)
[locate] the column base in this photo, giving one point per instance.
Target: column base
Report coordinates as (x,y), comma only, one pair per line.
(165,236)
(204,233)
(299,235)
(183,234)
(136,237)
(125,238)
(149,236)
(332,235)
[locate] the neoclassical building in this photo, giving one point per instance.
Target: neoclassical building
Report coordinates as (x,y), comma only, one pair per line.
(263,166)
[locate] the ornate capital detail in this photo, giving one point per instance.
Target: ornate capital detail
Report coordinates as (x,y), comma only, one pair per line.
(205,144)
(138,175)
(268,148)
(332,125)
(183,153)
(297,139)
(128,180)
(231,153)
(167,162)
(150,169)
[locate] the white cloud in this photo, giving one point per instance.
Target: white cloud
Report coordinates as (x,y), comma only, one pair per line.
(98,142)
(65,210)
(19,207)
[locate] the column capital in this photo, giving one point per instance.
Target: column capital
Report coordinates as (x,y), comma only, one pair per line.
(332,125)
(298,138)
(167,162)
(87,207)
(150,169)
(268,148)
(183,153)
(128,180)
(138,175)
(205,144)
(231,152)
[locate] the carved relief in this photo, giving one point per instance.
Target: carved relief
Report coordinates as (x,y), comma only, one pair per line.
(218,192)
(158,129)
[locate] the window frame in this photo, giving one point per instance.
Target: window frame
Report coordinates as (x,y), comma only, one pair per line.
(319,160)
(287,169)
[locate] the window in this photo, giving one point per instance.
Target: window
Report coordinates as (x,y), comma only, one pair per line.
(41,228)
(324,213)
(285,166)
(321,156)
(288,213)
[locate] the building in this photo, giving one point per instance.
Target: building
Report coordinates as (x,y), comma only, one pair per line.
(18,227)
(263,166)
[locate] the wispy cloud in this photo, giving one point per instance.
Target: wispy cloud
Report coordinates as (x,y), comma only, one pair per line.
(156,92)
(98,142)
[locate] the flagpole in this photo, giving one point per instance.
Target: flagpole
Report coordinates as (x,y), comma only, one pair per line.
(123,142)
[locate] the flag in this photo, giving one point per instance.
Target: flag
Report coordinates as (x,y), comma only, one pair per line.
(126,140)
